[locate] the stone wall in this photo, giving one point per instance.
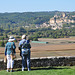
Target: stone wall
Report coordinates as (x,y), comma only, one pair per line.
(44,61)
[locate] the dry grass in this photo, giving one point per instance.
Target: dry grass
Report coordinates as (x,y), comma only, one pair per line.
(56,47)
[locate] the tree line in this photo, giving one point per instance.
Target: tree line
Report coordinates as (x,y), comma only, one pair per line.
(14,20)
(14,24)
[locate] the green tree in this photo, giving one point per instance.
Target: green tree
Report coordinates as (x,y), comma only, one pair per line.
(2,44)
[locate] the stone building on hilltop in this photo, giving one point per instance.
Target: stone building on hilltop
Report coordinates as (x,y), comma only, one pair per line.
(56,22)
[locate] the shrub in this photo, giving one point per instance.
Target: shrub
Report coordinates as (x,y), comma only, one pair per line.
(2,44)
(1,38)
(35,39)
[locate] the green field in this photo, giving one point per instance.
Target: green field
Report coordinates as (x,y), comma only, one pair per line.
(43,71)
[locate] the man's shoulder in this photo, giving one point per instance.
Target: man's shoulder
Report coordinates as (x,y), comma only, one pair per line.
(22,41)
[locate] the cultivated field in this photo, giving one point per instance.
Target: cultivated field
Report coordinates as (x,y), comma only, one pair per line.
(55,47)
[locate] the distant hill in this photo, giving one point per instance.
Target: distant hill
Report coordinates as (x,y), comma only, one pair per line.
(29,23)
(29,19)
(11,20)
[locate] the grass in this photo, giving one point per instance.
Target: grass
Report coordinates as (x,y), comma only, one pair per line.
(43,71)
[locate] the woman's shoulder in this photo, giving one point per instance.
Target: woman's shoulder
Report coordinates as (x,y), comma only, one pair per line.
(10,43)
(13,42)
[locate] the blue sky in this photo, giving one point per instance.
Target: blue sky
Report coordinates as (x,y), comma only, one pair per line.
(36,5)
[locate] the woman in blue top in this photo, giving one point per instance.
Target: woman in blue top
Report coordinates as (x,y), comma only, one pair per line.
(9,51)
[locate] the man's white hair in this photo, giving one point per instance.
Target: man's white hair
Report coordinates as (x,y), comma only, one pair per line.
(23,36)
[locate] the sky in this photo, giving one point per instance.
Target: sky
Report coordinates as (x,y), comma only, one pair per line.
(36,5)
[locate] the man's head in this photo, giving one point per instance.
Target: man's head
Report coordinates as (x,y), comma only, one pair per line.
(23,36)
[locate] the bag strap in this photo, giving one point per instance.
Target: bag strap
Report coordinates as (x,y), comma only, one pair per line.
(12,46)
(23,44)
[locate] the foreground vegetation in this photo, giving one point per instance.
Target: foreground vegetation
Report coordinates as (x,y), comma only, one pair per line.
(44,71)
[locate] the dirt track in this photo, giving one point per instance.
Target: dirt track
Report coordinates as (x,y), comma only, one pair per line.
(56,47)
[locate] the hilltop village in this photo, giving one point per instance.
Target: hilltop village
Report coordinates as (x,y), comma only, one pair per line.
(57,22)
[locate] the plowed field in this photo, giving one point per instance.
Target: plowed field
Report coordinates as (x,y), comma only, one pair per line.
(55,47)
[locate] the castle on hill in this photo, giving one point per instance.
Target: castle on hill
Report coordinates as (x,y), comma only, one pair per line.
(57,22)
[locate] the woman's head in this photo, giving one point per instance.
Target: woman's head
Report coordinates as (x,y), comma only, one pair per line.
(11,39)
